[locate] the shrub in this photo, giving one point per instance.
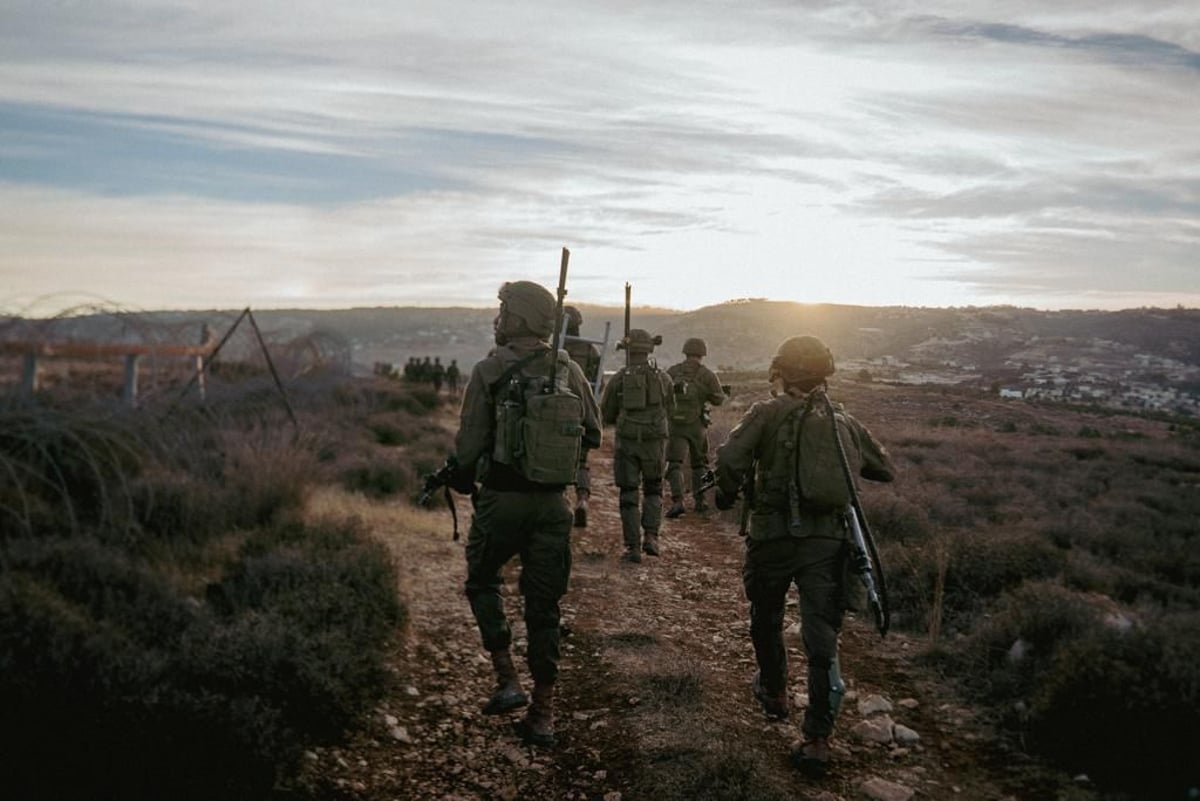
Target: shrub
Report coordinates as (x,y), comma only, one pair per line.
(1124,706)
(138,690)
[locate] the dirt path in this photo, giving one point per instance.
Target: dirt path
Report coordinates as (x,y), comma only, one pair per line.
(655,700)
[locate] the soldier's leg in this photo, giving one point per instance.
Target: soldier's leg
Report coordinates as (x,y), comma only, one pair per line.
(545,572)
(767,577)
(698,461)
(490,544)
(676,452)
(627,475)
(583,489)
(821,611)
(653,466)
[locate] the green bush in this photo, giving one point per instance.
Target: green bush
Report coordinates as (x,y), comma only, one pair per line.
(139,690)
(1124,706)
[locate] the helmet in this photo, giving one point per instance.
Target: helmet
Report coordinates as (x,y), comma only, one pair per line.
(639,340)
(532,302)
(695,347)
(804,356)
(573,317)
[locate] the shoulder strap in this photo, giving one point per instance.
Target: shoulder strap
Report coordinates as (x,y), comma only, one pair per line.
(514,367)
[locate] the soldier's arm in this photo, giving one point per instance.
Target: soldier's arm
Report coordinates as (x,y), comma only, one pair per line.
(610,399)
(736,455)
(475,422)
(591,410)
(714,395)
(876,461)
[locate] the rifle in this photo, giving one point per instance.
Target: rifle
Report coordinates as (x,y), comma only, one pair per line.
(441,478)
(626,340)
(558,318)
(862,566)
(866,556)
(709,480)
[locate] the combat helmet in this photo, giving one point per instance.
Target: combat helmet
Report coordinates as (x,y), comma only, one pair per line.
(639,341)
(532,302)
(802,358)
(695,346)
(573,317)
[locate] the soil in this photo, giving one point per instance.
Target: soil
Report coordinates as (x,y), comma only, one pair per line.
(654,694)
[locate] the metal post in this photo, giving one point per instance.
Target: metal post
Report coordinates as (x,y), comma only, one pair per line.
(130,394)
(29,374)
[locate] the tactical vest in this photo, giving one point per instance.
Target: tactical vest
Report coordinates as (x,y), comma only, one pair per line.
(539,423)
(643,413)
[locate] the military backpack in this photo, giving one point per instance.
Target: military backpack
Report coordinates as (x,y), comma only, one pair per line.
(539,421)
(809,451)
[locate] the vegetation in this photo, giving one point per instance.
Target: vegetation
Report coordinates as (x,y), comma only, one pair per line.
(1051,557)
(171,625)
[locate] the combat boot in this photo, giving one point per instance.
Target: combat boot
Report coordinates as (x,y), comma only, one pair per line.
(631,555)
(508,694)
(650,543)
(581,512)
(811,757)
(538,726)
(774,705)
(700,505)
(676,509)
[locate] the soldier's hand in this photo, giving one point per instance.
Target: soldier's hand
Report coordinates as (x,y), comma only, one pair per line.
(462,480)
(725,501)
(727,389)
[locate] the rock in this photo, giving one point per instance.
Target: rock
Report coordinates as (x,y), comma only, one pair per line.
(908,703)
(874,705)
(879,789)
(875,730)
(400,734)
(391,720)
(411,691)
(615,795)
(905,735)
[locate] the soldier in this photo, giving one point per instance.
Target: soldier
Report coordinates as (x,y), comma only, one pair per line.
(437,372)
(452,375)
(695,388)
(638,401)
(515,516)
(794,539)
(587,356)
(425,371)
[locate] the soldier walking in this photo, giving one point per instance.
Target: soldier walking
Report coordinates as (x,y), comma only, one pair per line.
(798,531)
(587,356)
(437,373)
(638,401)
(514,514)
(452,376)
(695,388)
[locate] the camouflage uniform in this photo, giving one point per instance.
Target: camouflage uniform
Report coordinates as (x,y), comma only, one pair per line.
(689,426)
(514,516)
(639,454)
(587,356)
(813,555)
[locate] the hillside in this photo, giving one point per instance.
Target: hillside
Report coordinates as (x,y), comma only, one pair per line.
(1141,358)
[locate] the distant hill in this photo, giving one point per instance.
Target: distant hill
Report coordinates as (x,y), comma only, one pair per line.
(986,345)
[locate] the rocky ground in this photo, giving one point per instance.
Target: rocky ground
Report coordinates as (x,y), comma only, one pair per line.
(655,696)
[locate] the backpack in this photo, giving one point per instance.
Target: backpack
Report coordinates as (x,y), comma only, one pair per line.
(539,423)
(689,401)
(816,479)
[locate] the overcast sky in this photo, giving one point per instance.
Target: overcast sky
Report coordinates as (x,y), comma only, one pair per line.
(224,153)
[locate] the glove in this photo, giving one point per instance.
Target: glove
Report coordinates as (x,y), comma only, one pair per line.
(725,501)
(462,479)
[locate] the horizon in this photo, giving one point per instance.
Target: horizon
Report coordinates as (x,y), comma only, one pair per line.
(177,154)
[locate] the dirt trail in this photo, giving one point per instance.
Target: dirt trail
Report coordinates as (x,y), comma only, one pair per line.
(654,692)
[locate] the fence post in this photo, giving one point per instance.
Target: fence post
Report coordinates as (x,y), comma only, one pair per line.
(130,393)
(29,374)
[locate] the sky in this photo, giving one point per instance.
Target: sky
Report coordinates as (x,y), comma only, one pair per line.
(191,154)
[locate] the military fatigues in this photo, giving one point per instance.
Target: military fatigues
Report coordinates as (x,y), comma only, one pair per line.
(514,516)
(587,357)
(640,449)
(689,427)
(813,554)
